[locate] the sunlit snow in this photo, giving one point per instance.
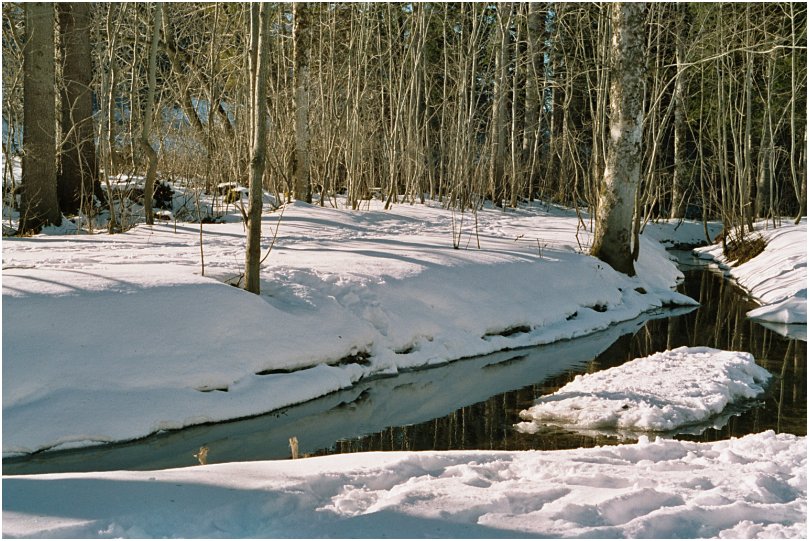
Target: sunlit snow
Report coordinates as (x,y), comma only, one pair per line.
(113,337)
(776,277)
(139,341)
(749,487)
(662,392)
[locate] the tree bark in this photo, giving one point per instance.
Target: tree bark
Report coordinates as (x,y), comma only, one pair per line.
(145,144)
(77,179)
(301,44)
(39,203)
(533,97)
(612,242)
(498,128)
(679,198)
(258,73)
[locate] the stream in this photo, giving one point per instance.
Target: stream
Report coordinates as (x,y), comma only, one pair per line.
(474,403)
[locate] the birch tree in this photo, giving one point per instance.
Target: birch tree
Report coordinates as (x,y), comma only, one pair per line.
(498,116)
(612,242)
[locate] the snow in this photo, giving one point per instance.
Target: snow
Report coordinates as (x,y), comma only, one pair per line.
(138,341)
(114,337)
(748,487)
(776,277)
(665,391)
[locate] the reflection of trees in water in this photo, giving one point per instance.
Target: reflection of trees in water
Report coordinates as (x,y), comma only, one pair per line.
(720,322)
(486,425)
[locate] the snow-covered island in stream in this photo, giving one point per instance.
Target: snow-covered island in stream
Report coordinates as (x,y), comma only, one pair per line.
(662,392)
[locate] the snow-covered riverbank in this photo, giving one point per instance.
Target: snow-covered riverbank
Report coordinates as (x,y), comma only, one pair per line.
(108,338)
(776,277)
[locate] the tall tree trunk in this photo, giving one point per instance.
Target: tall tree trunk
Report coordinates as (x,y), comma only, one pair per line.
(259,49)
(77,179)
(748,180)
(498,131)
(533,97)
(679,198)
(40,206)
(301,44)
(145,144)
(612,242)
(800,187)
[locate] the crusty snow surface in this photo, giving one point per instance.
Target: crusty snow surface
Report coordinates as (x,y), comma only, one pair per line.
(749,487)
(662,392)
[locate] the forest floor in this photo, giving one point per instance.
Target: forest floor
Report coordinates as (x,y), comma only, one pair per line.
(113,337)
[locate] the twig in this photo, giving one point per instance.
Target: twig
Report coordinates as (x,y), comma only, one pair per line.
(274,236)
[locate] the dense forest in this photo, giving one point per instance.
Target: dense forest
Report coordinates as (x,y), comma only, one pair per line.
(457,102)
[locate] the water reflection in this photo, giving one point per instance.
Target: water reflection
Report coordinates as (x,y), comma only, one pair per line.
(720,322)
(411,400)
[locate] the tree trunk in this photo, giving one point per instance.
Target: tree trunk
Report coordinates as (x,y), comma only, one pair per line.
(301,44)
(145,144)
(498,131)
(259,44)
(77,179)
(40,206)
(533,97)
(612,242)
(679,198)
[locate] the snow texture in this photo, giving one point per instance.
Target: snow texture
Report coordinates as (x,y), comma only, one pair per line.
(662,392)
(749,487)
(110,338)
(114,337)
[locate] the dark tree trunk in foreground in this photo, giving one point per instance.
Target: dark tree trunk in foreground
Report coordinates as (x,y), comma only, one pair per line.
(616,205)
(259,50)
(39,206)
(77,179)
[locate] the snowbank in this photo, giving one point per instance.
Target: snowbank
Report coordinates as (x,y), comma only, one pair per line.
(662,392)
(776,277)
(110,338)
(741,488)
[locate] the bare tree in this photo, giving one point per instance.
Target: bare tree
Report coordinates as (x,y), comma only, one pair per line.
(39,204)
(679,198)
(301,44)
(613,238)
(146,128)
(259,50)
(77,179)
(498,121)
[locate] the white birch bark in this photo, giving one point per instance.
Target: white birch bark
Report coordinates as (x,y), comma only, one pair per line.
(612,242)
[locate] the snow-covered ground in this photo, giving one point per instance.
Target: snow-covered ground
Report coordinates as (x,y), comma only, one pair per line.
(742,488)
(113,337)
(109,338)
(776,277)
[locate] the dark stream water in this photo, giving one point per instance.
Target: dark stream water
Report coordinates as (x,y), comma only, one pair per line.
(474,403)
